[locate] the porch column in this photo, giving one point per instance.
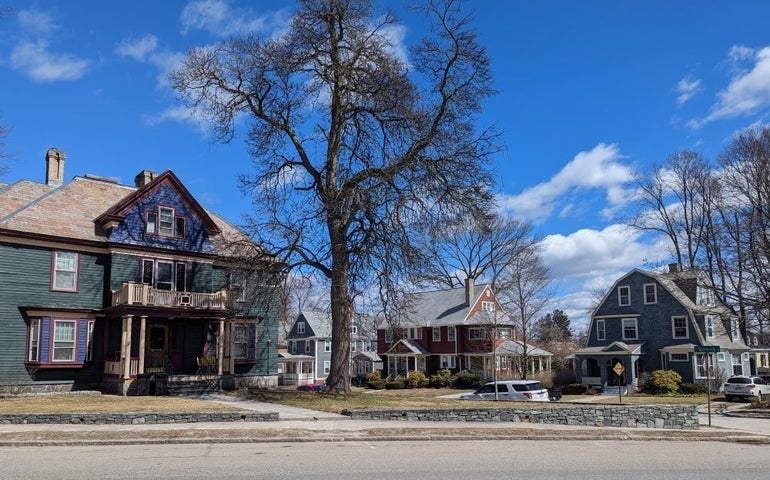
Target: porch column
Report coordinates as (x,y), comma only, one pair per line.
(142,328)
(231,337)
(221,346)
(125,347)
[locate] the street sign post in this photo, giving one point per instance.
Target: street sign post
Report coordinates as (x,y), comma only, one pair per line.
(708,349)
(619,369)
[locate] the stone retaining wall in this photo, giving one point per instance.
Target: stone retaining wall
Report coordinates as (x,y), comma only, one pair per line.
(683,417)
(137,418)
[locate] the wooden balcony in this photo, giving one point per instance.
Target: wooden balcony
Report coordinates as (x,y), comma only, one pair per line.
(140,294)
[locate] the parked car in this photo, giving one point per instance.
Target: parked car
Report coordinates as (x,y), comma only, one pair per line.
(510,390)
(740,386)
(312,387)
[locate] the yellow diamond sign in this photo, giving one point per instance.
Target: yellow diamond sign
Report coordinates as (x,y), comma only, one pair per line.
(618,369)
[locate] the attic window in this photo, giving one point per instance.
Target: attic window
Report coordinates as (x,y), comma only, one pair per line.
(164,222)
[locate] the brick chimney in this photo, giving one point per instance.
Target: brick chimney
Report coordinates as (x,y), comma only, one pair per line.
(469,295)
(144,177)
(674,268)
(54,167)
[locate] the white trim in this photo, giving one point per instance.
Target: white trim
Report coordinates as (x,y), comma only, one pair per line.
(603,330)
(654,293)
(623,329)
(627,288)
(674,318)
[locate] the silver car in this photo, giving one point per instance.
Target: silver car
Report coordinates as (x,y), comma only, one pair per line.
(748,388)
(510,390)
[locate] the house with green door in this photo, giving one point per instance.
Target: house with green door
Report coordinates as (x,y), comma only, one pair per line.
(129,289)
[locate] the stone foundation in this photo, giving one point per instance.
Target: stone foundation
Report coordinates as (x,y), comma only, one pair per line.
(136,418)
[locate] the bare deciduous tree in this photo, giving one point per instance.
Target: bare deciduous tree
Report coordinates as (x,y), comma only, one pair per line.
(351,146)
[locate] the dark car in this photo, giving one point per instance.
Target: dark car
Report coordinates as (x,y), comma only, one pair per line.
(312,387)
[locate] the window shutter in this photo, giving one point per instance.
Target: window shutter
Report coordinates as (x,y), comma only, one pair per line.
(45,340)
(82,339)
(251,352)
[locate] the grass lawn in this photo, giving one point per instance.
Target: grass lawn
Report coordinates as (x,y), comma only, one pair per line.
(358,399)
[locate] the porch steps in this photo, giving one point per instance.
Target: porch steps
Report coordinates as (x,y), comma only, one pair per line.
(613,390)
(185,388)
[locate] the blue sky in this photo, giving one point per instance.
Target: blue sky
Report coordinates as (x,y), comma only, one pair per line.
(590,94)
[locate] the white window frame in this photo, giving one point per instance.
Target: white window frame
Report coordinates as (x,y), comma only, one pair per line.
(709,324)
(436,334)
(33,345)
(626,321)
(307,346)
(166,222)
(621,289)
(292,346)
(504,332)
(65,270)
(415,333)
(327,367)
(237,282)
(354,329)
(451,334)
(678,357)
(352,346)
(62,343)
(89,341)
(721,356)
(328,346)
(674,327)
(300,328)
(700,365)
(447,361)
(654,293)
(601,330)
(473,333)
(488,306)
(737,364)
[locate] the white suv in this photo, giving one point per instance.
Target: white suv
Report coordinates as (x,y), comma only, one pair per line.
(749,388)
(510,390)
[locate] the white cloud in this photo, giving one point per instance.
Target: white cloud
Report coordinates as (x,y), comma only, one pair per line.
(748,90)
(35,61)
(139,48)
(599,168)
(686,89)
(32,55)
(218,18)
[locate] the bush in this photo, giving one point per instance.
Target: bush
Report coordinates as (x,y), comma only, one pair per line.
(374,376)
(440,379)
(661,382)
(417,379)
(574,389)
(465,380)
(376,384)
(689,388)
(394,385)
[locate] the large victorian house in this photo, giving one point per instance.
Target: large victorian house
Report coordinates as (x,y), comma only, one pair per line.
(129,289)
(661,321)
(458,329)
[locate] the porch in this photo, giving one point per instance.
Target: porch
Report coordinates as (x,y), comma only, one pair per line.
(140,294)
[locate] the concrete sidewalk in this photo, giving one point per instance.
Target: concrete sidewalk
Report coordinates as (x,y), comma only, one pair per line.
(302,425)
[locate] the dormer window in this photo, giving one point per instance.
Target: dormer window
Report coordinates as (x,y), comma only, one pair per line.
(165,222)
(624,295)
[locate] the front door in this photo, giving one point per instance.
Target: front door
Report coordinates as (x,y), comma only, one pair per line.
(176,348)
(157,349)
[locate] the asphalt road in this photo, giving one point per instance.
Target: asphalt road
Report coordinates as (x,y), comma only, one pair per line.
(440,460)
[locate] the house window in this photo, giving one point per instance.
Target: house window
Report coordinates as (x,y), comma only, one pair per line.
(354,329)
(709,321)
(629,329)
(33,348)
(352,346)
(164,274)
(415,333)
(624,295)
(292,346)
(90,342)
(238,285)
(301,328)
(734,330)
(447,361)
(65,271)
(307,346)
(504,332)
(477,333)
(64,340)
(327,367)
(721,356)
(328,346)
(388,336)
(165,222)
(679,357)
(436,334)
(180,277)
(451,334)
(679,327)
(240,341)
(650,293)
(488,306)
(700,365)
(601,332)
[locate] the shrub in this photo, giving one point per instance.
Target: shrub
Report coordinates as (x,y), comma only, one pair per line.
(465,380)
(417,379)
(661,382)
(574,389)
(689,388)
(440,379)
(374,376)
(376,384)
(394,385)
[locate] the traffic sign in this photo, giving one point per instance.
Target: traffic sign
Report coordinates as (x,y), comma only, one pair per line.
(707,349)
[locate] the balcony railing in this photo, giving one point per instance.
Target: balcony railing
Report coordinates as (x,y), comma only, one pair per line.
(141,294)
